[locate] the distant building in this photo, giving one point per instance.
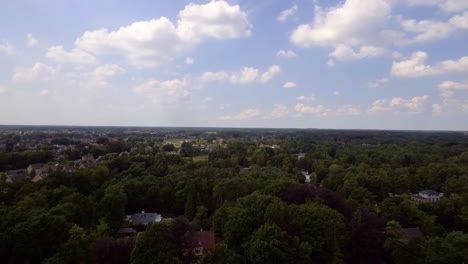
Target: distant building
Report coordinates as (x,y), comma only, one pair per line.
(15,175)
(88,158)
(35,167)
(144,218)
(427,196)
(126,231)
(306,175)
(198,243)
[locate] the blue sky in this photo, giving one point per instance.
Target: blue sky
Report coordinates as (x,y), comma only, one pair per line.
(378,64)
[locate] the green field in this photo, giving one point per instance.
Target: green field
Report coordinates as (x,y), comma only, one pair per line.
(200,158)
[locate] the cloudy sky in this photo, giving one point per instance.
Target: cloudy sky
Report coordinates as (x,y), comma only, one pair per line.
(380,64)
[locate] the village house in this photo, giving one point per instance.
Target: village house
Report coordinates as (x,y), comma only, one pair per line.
(306,175)
(37,168)
(126,231)
(427,196)
(15,175)
(198,243)
(144,218)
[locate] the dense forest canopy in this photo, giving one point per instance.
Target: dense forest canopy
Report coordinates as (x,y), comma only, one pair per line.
(269,195)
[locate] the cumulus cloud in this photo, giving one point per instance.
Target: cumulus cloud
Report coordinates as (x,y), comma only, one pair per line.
(447,88)
(436,110)
(305,109)
(446,5)
(31,41)
(6,48)
(348,109)
(39,71)
(270,74)
(216,19)
(244,76)
(3,89)
(279,111)
(286,54)
(214,76)
(358,29)
(150,43)
(399,105)
(165,93)
(98,78)
(189,61)
(320,110)
(76,56)
(379,105)
(287,13)
(415,67)
(460,21)
(377,83)
(306,98)
(289,85)
(245,114)
(353,22)
(425,31)
(414,104)
(44,92)
(346,53)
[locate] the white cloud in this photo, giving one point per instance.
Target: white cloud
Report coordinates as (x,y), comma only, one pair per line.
(465,107)
(286,54)
(446,5)
(460,21)
(347,110)
(97,78)
(3,89)
(44,92)
(306,98)
(150,43)
(39,71)
(289,85)
(354,22)
(31,41)
(425,31)
(270,74)
(279,111)
(287,13)
(399,105)
(165,93)
(377,83)
(214,76)
(436,110)
(216,19)
(397,55)
(189,61)
(6,48)
(413,105)
(415,67)
(448,88)
(331,63)
(336,93)
(244,76)
(346,53)
(245,114)
(108,70)
(379,105)
(76,56)
(305,109)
